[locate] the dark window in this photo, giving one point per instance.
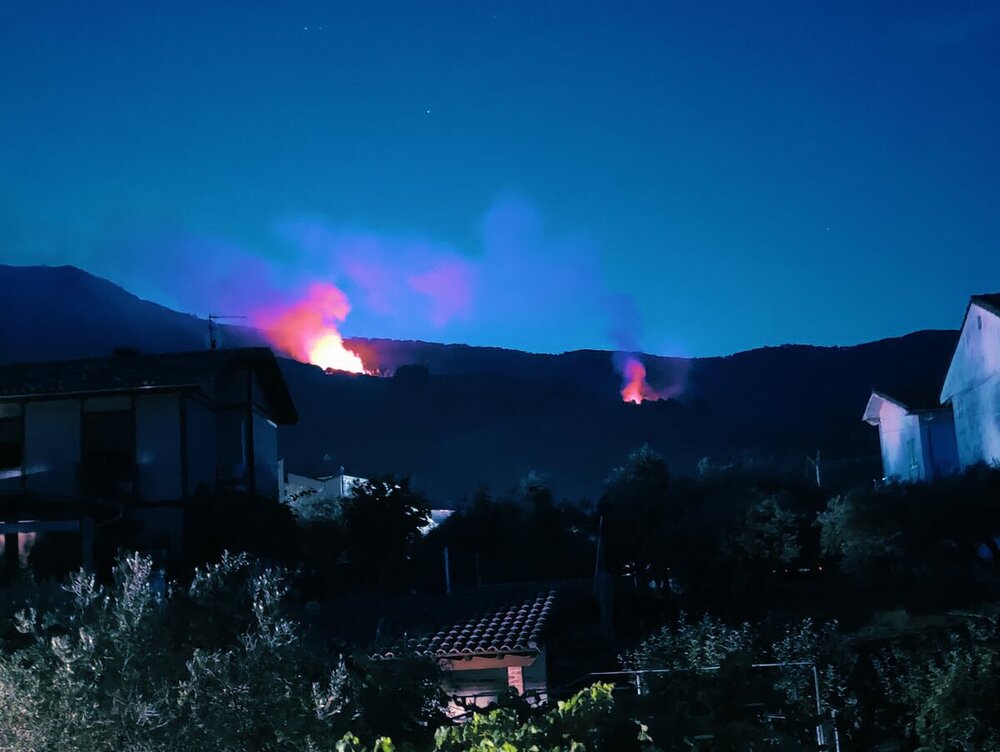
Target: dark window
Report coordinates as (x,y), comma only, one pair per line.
(108,453)
(11,443)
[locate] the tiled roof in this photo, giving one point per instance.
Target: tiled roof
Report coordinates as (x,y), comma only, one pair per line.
(513,628)
(130,372)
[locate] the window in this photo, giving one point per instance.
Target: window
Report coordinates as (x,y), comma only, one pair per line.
(107,453)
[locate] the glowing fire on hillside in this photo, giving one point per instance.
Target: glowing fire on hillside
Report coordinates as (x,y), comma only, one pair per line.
(635,388)
(308,330)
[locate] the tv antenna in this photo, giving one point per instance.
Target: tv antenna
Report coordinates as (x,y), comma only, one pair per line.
(213,328)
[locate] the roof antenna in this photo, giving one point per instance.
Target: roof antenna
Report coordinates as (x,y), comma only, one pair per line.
(213,328)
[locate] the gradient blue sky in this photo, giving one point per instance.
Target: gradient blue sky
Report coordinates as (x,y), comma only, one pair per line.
(688,177)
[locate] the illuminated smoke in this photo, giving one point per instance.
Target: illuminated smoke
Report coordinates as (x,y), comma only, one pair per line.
(635,388)
(308,329)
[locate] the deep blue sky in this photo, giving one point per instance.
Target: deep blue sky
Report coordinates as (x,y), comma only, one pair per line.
(696,177)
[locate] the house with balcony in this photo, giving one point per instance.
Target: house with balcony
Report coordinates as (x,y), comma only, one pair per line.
(138,434)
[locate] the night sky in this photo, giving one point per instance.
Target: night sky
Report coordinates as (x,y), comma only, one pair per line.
(690,178)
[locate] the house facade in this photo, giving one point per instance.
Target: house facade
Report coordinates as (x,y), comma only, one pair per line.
(916,435)
(972,385)
(140,432)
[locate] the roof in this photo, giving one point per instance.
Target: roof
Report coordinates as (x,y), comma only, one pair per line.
(125,373)
(515,627)
(989,301)
(490,622)
(911,400)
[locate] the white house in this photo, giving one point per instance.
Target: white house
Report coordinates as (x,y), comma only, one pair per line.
(320,498)
(139,431)
(317,498)
(972,386)
(917,436)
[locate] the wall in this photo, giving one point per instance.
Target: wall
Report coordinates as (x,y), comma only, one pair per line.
(202,443)
(231,436)
(52,447)
(973,386)
(937,437)
(265,452)
(899,435)
(977,423)
(158,447)
(484,686)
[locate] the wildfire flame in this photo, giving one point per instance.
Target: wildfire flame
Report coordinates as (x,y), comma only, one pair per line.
(307,330)
(635,388)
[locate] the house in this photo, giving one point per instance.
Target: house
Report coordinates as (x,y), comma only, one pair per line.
(489,651)
(972,385)
(136,432)
(488,642)
(313,499)
(316,498)
(916,433)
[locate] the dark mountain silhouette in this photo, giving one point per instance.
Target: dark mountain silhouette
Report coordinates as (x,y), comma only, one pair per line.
(455,416)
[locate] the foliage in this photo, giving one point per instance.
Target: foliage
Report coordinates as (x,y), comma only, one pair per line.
(823,650)
(859,531)
(576,724)
(93,676)
(401,699)
(770,532)
(634,505)
(947,687)
(706,678)
(217,522)
(924,529)
(382,520)
(552,540)
(689,645)
(214,666)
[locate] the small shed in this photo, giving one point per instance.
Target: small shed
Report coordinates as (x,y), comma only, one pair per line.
(488,642)
(916,434)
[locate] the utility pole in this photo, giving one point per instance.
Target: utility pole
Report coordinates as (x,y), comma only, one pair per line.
(213,328)
(816,466)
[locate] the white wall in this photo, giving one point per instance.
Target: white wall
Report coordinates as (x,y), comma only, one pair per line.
(899,435)
(973,386)
(158,446)
(52,447)
(977,423)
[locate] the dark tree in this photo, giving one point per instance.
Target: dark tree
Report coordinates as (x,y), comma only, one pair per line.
(382,522)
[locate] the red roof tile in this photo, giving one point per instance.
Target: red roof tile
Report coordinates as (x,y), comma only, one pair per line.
(512,627)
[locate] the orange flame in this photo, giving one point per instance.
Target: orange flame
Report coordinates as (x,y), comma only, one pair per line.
(308,331)
(636,389)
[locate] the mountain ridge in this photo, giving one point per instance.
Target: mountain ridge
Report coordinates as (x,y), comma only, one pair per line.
(470,415)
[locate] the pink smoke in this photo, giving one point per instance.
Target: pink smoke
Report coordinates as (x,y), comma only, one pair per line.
(635,388)
(308,329)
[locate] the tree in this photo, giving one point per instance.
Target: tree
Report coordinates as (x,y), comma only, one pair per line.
(216,666)
(635,507)
(947,687)
(689,645)
(382,520)
(583,722)
(770,533)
